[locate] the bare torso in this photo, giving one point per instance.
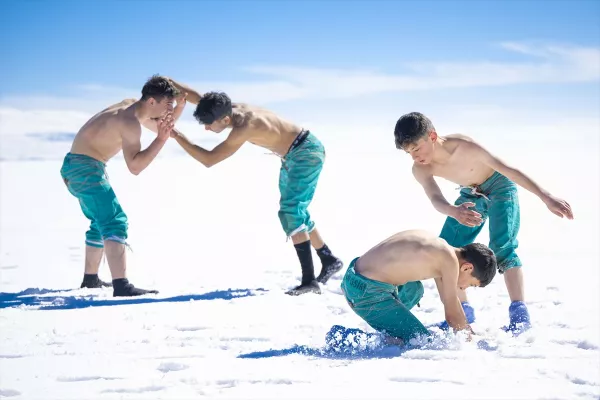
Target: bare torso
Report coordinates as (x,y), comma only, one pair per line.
(265,129)
(100,137)
(461,166)
(407,256)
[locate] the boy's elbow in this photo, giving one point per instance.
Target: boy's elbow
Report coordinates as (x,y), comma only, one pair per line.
(206,163)
(134,169)
(210,163)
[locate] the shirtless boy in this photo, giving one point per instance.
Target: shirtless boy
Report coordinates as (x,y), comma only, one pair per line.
(385,283)
(116,128)
(488,191)
(302,156)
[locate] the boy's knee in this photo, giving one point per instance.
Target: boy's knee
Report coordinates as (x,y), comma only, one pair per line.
(94,243)
(116,238)
(93,238)
(116,230)
(512,261)
(293,223)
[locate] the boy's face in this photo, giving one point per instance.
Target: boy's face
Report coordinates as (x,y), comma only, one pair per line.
(466,278)
(422,151)
(219,125)
(159,109)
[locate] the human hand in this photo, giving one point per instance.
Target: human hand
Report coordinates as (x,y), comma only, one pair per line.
(467,217)
(558,206)
(165,127)
(468,331)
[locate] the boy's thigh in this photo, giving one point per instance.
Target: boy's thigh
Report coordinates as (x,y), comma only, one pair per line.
(411,293)
(102,207)
(302,175)
(457,234)
(505,222)
(390,316)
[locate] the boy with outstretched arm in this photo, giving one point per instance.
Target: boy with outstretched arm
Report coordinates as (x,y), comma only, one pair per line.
(488,191)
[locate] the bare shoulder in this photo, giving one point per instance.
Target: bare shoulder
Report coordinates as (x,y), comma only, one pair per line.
(461,143)
(447,255)
(459,139)
(421,171)
(120,106)
(127,102)
(129,124)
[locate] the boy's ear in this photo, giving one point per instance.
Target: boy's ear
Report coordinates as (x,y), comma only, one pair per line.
(466,267)
(433,136)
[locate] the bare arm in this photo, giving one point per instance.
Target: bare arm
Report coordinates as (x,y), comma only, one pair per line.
(461,212)
(447,287)
(136,159)
(432,190)
(510,172)
(178,110)
(192,95)
(222,151)
(557,206)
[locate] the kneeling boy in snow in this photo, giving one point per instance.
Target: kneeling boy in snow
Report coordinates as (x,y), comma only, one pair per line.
(385,283)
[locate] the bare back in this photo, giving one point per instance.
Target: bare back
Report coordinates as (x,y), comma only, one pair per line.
(265,129)
(462,166)
(407,256)
(100,137)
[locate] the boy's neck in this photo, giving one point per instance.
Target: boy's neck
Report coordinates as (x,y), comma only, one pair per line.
(238,119)
(140,111)
(440,154)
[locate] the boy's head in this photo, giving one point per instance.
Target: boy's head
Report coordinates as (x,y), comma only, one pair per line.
(477,266)
(158,94)
(214,111)
(415,134)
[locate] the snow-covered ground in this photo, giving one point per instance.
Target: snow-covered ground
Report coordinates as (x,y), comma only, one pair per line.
(221,327)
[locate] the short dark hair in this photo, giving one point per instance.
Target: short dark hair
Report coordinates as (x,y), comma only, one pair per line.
(212,107)
(159,87)
(410,128)
(483,260)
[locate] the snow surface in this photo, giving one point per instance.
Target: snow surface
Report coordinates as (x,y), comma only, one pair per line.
(222,327)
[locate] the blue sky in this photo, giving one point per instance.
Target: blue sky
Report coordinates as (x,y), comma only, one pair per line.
(474,65)
(55,44)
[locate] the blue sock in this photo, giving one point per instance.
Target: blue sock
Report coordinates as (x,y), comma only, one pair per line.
(519,318)
(469,313)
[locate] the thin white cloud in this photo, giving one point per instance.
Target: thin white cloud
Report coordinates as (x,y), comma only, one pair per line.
(14,121)
(548,63)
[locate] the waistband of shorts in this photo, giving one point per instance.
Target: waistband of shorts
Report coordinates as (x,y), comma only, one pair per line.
(83,157)
(299,140)
(494,182)
(352,274)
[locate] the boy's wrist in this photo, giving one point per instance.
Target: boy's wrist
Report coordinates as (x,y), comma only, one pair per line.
(449,210)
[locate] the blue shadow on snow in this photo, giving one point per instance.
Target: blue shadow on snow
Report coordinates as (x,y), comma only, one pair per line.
(354,344)
(39,297)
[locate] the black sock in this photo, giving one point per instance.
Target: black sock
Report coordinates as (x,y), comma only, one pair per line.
(90,277)
(91,281)
(326,256)
(305,256)
(122,287)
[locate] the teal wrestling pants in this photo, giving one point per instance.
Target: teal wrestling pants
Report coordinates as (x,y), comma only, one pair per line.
(495,199)
(385,307)
(86,179)
(298,177)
